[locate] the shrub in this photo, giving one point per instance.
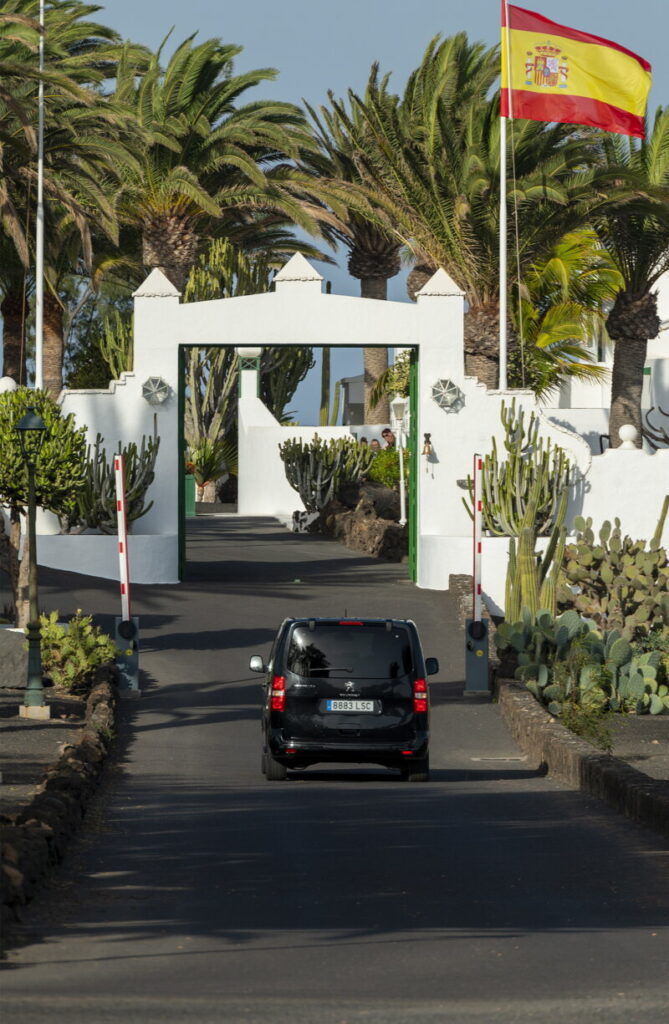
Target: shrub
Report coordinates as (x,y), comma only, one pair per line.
(70,653)
(385,469)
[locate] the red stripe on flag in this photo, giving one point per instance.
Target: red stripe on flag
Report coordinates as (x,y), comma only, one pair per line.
(530,21)
(534,106)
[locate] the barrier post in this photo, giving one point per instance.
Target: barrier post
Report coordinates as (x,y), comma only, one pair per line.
(126,627)
(476,629)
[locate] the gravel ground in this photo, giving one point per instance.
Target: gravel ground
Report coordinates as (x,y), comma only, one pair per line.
(29,746)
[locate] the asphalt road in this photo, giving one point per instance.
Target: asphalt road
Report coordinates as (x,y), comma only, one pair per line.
(199,892)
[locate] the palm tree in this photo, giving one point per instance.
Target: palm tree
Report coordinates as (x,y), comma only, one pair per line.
(561,310)
(635,232)
(431,165)
(203,155)
(374,253)
(85,140)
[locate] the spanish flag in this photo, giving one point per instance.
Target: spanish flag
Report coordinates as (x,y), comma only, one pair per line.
(560,74)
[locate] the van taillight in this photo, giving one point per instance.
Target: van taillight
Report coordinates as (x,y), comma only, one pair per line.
(278,693)
(420,695)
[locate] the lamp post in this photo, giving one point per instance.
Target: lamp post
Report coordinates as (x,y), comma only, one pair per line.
(31,430)
(398,408)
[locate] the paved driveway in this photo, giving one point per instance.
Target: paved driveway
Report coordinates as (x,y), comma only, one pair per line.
(199,892)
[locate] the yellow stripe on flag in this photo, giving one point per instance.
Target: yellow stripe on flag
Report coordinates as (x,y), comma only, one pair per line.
(598,72)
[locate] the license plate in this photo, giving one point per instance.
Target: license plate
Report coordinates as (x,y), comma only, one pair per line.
(349,705)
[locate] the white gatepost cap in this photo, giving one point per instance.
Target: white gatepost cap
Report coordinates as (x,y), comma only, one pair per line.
(156,286)
(299,271)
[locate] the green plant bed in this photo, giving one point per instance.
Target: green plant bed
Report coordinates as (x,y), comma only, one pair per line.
(565,662)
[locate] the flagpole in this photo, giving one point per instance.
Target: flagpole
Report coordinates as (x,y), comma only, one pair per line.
(503,355)
(502,255)
(39,227)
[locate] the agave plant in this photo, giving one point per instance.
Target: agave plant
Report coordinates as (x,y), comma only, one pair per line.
(210,459)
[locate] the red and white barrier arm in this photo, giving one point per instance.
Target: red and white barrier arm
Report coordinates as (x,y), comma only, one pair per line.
(477,534)
(122,526)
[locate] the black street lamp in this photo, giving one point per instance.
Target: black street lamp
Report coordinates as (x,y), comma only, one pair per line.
(31,430)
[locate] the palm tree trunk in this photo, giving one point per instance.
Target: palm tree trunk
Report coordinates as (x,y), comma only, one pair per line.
(375,359)
(481,330)
(53,345)
(18,570)
(170,244)
(14,308)
(631,322)
(629,359)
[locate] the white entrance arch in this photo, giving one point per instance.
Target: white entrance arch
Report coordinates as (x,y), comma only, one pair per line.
(299,313)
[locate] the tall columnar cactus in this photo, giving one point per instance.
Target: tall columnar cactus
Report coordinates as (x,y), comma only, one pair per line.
(508,482)
(618,582)
(531,581)
(317,469)
(96,502)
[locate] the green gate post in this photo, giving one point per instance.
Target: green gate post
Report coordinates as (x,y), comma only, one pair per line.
(189,495)
(413,467)
(181,470)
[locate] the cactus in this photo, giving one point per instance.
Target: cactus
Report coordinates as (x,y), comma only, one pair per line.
(531,581)
(565,658)
(508,485)
(621,584)
(96,503)
(317,469)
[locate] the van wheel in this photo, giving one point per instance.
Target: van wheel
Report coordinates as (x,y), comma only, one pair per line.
(274,770)
(417,771)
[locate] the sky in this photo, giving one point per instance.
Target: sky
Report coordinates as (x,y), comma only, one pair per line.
(318,46)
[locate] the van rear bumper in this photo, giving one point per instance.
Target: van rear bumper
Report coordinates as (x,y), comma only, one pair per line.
(353,751)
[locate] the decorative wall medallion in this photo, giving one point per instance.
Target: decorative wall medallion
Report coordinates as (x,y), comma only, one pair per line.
(448,396)
(156,390)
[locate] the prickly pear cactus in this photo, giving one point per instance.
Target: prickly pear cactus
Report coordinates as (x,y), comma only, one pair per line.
(617,582)
(565,659)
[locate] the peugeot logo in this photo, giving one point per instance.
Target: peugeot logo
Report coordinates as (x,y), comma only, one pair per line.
(350,686)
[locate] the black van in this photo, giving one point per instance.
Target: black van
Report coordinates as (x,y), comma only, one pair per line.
(346,690)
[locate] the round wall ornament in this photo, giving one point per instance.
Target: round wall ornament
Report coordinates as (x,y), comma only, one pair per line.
(448,395)
(155,390)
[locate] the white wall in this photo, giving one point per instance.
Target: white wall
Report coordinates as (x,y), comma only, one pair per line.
(152,558)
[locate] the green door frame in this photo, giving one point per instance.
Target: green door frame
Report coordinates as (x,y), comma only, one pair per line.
(412,516)
(181,472)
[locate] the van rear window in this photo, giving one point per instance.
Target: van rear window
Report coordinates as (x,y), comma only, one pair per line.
(360,652)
